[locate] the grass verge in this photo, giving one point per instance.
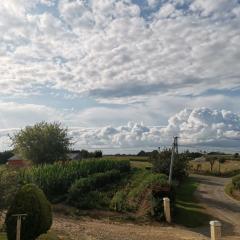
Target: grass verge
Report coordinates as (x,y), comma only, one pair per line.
(189,212)
(231,193)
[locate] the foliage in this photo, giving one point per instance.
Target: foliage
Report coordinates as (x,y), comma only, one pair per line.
(211,160)
(8,187)
(236,182)
(137,190)
(42,143)
(56,179)
(161,164)
(98,154)
(93,182)
(4,156)
(29,200)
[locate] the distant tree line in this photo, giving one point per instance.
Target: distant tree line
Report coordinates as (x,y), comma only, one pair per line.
(4,156)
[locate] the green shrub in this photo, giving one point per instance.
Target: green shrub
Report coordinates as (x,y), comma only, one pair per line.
(79,190)
(236,182)
(29,200)
(56,179)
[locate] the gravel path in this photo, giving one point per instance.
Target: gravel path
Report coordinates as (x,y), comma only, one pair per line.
(211,194)
(86,229)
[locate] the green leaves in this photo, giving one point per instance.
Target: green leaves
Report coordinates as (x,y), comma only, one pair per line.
(42,143)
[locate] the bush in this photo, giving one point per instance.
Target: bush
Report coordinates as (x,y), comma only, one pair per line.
(29,200)
(236,182)
(79,190)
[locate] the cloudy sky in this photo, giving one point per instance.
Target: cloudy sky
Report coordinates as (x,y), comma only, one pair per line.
(122,73)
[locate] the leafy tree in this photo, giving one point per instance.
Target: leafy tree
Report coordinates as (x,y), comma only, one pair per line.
(4,156)
(42,143)
(221,161)
(211,160)
(98,154)
(161,164)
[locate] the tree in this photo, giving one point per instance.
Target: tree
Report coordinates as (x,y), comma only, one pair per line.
(29,200)
(42,143)
(4,156)
(161,164)
(211,160)
(98,154)
(220,161)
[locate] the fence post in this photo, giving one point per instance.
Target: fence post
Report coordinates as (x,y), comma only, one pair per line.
(167,211)
(215,227)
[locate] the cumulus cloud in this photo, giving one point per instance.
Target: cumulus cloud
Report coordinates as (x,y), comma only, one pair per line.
(108,49)
(196,127)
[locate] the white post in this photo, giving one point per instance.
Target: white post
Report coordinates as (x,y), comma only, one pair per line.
(167,211)
(215,227)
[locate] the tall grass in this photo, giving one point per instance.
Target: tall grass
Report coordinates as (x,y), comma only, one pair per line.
(56,179)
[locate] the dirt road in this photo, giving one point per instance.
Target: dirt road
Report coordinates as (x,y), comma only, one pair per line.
(89,229)
(211,194)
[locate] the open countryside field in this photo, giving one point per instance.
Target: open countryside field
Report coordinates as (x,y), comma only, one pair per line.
(228,166)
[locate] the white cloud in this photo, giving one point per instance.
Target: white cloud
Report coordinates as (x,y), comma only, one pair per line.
(107,49)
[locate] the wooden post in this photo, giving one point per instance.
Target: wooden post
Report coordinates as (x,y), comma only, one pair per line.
(215,228)
(167,211)
(19,223)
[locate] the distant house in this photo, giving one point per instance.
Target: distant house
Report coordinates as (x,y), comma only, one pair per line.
(74,155)
(16,161)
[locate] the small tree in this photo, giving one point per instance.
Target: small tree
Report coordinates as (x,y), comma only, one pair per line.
(98,154)
(29,200)
(42,143)
(211,160)
(161,163)
(220,161)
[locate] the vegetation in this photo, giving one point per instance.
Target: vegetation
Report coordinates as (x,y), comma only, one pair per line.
(188,211)
(228,168)
(137,195)
(56,179)
(161,164)
(48,236)
(4,156)
(42,143)
(29,200)
(8,187)
(84,192)
(236,182)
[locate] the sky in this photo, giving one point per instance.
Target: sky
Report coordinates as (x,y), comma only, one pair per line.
(122,74)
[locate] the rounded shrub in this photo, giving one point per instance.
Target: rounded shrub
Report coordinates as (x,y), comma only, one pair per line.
(29,200)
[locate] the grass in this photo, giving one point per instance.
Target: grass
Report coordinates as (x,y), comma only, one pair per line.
(3,236)
(229,190)
(188,211)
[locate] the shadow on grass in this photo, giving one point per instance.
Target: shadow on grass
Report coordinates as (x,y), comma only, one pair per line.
(189,212)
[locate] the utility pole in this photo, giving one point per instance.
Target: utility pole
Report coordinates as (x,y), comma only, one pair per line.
(174,151)
(19,222)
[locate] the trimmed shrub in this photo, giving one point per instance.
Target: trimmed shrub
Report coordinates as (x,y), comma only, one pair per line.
(29,200)
(236,182)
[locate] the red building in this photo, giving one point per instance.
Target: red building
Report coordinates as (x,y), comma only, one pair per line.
(16,161)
